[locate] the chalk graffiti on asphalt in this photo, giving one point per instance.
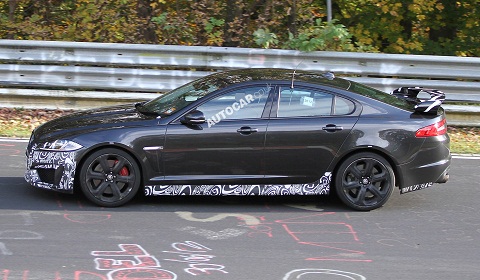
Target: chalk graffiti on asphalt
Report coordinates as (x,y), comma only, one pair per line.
(132,261)
(335,239)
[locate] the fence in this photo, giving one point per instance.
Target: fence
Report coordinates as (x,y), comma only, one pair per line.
(76,75)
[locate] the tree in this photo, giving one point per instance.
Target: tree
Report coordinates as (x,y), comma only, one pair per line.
(443,27)
(454,29)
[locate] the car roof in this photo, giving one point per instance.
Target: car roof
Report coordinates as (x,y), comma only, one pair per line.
(280,74)
(313,77)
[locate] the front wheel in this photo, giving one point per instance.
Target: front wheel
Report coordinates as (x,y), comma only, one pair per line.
(364,181)
(109,177)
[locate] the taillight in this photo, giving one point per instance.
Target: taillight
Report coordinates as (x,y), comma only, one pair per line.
(435,129)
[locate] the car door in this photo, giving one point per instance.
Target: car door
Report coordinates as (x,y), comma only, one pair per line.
(227,147)
(307,127)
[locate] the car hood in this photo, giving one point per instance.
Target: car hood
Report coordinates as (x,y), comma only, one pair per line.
(91,120)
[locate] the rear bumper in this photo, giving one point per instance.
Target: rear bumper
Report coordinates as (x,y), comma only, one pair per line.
(444,177)
(430,165)
(418,176)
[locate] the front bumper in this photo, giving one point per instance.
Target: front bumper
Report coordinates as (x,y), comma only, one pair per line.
(50,169)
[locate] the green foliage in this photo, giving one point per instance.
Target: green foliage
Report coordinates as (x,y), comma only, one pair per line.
(214,29)
(172,29)
(265,38)
(161,19)
(321,36)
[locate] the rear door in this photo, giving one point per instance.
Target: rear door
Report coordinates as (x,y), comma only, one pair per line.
(308,125)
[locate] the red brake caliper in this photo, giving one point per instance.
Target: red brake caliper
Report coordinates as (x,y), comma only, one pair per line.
(123,171)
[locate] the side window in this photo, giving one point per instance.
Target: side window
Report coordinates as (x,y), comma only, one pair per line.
(343,106)
(244,103)
(302,102)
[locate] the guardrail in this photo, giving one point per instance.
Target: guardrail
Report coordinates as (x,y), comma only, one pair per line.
(72,75)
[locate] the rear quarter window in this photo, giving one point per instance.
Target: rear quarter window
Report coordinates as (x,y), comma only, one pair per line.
(342,106)
(380,96)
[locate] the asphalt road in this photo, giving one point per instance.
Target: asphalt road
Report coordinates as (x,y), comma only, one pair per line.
(428,234)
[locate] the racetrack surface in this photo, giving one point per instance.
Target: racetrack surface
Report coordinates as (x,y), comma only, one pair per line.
(428,234)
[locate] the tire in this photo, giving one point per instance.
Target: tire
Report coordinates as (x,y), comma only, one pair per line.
(364,181)
(110,177)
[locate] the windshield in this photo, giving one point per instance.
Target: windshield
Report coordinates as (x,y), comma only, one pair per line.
(181,97)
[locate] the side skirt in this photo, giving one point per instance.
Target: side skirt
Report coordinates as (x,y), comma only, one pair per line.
(319,187)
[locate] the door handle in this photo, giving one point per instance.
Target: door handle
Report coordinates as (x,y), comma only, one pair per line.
(247,130)
(332,128)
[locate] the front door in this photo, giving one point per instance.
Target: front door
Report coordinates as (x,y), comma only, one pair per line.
(229,146)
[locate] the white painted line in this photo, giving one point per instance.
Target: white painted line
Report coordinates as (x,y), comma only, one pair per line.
(466,157)
(18,140)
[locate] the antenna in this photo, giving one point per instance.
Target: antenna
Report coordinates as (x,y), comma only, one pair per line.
(293,77)
(294,72)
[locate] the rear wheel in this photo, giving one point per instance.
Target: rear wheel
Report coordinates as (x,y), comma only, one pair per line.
(109,177)
(364,181)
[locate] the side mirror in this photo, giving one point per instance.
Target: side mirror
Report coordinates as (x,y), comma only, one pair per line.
(194,117)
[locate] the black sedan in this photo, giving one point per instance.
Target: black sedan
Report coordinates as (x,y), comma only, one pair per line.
(250,132)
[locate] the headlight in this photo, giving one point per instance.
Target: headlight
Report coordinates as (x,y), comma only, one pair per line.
(61,146)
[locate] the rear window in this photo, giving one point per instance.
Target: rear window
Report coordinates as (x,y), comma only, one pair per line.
(380,96)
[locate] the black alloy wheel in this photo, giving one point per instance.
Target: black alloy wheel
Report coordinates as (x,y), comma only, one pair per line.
(364,181)
(110,177)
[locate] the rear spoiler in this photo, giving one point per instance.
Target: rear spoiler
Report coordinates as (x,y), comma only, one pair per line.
(422,105)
